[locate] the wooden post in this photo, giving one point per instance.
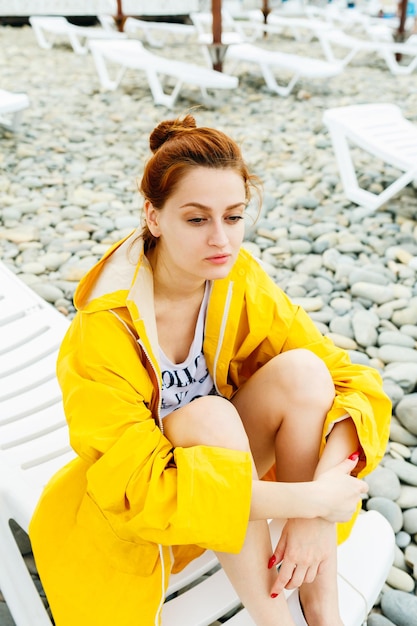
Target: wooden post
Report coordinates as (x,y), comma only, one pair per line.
(265,9)
(216,9)
(120,18)
(403,16)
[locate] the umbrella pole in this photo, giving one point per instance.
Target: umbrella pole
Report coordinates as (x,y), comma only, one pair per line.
(216,8)
(265,9)
(401,27)
(120,18)
(403,17)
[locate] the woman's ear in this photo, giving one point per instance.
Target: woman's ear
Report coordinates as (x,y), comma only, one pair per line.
(151,217)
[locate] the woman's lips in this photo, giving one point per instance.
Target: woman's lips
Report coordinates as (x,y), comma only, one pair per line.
(218,259)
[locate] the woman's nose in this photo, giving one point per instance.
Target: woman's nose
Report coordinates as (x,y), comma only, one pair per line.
(218,235)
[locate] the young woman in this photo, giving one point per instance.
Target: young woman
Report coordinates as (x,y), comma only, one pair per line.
(187,374)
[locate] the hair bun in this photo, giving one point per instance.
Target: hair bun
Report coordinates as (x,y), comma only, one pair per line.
(168,129)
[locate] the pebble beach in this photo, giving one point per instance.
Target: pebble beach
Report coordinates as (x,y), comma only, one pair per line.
(68,190)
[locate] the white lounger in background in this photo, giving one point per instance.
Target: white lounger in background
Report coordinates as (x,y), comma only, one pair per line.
(332,39)
(12,106)
(155,33)
(269,62)
(131,54)
(78,36)
(382,131)
(34,445)
(303,29)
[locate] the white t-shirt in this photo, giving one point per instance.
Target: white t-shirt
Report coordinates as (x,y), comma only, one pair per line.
(184,382)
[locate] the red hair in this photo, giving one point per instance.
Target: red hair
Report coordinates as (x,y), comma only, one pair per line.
(179,145)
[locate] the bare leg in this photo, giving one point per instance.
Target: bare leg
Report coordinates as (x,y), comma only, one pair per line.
(283,407)
(214,421)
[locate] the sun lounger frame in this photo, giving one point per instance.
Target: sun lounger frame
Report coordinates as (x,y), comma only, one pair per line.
(271,61)
(382,131)
(132,55)
(78,36)
(386,50)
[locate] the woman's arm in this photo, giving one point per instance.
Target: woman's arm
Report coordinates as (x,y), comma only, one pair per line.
(341,443)
(334,496)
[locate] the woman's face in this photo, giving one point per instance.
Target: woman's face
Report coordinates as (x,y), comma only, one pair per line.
(201,226)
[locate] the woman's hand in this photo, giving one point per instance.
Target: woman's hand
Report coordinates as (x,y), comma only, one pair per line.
(338,492)
(305,548)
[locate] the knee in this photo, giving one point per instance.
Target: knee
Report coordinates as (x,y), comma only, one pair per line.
(306,378)
(211,421)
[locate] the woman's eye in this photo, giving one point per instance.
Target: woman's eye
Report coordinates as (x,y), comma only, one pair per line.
(196,220)
(235,218)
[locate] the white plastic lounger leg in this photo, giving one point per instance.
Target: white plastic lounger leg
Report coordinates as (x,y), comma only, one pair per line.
(330,55)
(159,96)
(40,37)
(13,121)
(272,84)
(103,73)
(347,172)
(54,25)
(75,42)
(393,65)
(12,106)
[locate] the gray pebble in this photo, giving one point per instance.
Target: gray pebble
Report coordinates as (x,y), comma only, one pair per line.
(389,509)
(383,482)
(400,607)
(375,619)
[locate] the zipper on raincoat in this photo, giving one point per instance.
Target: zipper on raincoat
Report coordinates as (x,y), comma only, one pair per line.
(142,347)
(222,333)
(158,414)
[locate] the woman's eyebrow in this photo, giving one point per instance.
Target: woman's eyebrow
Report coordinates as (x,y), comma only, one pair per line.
(198,205)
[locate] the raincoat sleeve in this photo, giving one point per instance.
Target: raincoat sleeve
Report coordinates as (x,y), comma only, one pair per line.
(136,481)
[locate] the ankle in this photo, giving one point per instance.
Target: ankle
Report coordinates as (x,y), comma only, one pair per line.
(319,611)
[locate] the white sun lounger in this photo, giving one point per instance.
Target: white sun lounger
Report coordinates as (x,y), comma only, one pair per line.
(12,106)
(78,36)
(271,61)
(382,131)
(301,28)
(203,23)
(34,445)
(132,55)
(386,50)
(156,33)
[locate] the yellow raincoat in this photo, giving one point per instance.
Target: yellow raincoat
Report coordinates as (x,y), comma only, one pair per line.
(113,523)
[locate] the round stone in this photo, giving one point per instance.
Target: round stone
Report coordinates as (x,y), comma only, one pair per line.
(383,482)
(389,509)
(400,607)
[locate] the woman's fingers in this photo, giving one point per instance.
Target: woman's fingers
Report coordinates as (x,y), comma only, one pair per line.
(292,576)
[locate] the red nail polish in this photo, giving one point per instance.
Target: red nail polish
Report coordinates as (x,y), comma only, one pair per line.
(272,561)
(274,595)
(354,456)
